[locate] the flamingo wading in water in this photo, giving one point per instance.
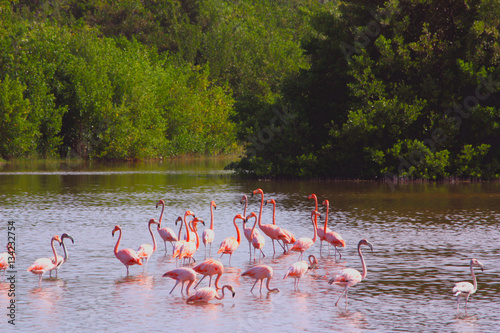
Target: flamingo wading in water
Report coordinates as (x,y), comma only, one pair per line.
(304,243)
(208,234)
(465,289)
(128,257)
(145,251)
(61,260)
(261,272)
(42,265)
(331,236)
(182,274)
(258,241)
(167,234)
(290,238)
(210,267)
(206,294)
(348,277)
(299,269)
(230,244)
(272,231)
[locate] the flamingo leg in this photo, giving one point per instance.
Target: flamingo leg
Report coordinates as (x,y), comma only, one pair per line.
(341,294)
(175,285)
(40,280)
(262,280)
(263,255)
(127,269)
(200,281)
(256,280)
(320,248)
(182,288)
(466,300)
(165,242)
(458,302)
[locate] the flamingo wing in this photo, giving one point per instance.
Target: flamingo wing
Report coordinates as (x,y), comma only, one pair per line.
(128,257)
(207,236)
(302,244)
(145,251)
(202,295)
(167,234)
(463,287)
(228,245)
(41,265)
(297,270)
(348,276)
(335,238)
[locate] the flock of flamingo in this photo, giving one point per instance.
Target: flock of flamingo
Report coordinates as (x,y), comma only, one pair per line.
(185,246)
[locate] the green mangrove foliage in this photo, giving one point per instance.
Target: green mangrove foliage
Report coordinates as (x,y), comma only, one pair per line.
(309,88)
(395,89)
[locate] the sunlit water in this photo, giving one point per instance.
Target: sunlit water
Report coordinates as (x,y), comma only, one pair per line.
(423,236)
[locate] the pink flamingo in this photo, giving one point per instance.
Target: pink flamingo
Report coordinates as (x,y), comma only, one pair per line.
(145,251)
(272,231)
(167,234)
(182,274)
(230,244)
(331,236)
(61,260)
(178,245)
(128,257)
(348,277)
(206,294)
(321,232)
(5,256)
(299,269)
(261,272)
(208,234)
(465,289)
(304,243)
(188,249)
(209,267)
(42,265)
(248,231)
(290,238)
(258,241)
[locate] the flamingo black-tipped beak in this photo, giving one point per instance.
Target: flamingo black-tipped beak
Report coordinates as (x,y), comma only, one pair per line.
(331,281)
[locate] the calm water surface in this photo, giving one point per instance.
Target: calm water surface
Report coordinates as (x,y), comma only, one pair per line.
(424,236)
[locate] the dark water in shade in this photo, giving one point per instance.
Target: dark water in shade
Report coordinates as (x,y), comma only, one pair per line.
(423,236)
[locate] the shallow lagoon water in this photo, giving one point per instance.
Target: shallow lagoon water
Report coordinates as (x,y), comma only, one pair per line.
(424,236)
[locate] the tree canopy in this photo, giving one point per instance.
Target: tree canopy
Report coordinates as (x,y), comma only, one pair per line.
(351,89)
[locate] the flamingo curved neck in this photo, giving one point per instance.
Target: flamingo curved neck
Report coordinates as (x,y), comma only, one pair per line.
(238,239)
(326,217)
(211,217)
(161,215)
(261,207)
(196,234)
(474,278)
(187,228)
(268,283)
(274,213)
(363,275)
(118,241)
(65,251)
(253,228)
(54,250)
(152,236)
(221,297)
(315,227)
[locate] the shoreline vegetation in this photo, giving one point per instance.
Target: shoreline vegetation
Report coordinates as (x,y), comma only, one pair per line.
(301,89)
